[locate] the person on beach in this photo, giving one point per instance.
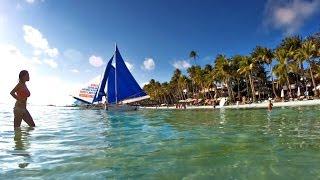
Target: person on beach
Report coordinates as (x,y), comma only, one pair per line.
(21,94)
(270,105)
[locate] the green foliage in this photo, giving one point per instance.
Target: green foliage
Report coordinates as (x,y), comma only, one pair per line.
(244,75)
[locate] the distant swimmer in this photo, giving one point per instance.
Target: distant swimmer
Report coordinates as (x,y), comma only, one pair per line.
(21,94)
(270,105)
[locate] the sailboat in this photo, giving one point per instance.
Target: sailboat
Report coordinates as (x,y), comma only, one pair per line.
(122,90)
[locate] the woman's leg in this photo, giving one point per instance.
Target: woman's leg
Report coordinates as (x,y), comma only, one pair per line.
(18,114)
(28,119)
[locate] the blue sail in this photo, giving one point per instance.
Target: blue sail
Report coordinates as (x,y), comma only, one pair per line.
(126,86)
(111,86)
(100,92)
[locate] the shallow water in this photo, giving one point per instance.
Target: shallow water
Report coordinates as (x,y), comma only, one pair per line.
(193,144)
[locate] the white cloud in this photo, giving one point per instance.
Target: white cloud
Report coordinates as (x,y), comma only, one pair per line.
(289,16)
(30,1)
(95,61)
(75,70)
(143,84)
(181,64)
(52,63)
(37,52)
(35,38)
(33,1)
(3,26)
(52,52)
(148,64)
(36,60)
(3,19)
(72,54)
(129,65)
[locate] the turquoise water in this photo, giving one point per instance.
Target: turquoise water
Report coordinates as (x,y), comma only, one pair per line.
(148,144)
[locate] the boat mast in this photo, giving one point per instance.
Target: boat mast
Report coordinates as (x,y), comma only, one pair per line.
(115,74)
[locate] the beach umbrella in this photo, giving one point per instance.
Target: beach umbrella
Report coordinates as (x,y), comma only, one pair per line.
(298,93)
(282,93)
(185,91)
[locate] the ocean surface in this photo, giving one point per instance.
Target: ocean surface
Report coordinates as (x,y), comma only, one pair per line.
(159,144)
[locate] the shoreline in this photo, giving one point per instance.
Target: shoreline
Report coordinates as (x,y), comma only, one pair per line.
(262,105)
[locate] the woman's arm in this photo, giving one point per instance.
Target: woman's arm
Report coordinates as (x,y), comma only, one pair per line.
(14,90)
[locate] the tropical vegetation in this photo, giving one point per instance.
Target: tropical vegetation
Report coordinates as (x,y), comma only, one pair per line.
(294,64)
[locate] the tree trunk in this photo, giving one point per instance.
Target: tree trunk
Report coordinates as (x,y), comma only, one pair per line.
(247,86)
(204,91)
(210,96)
(171,98)
(252,89)
(288,82)
(238,82)
(215,90)
(192,85)
(289,86)
(273,89)
(232,93)
(180,93)
(313,82)
(229,90)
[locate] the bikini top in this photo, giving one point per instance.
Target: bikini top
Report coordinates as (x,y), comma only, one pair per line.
(23,92)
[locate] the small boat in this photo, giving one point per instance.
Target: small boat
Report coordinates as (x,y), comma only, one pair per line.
(118,86)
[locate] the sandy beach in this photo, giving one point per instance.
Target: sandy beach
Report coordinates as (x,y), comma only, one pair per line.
(247,106)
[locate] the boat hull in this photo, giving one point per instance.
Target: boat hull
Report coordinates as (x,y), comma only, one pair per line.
(122,107)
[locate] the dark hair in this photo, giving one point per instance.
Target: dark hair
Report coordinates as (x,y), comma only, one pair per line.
(22,73)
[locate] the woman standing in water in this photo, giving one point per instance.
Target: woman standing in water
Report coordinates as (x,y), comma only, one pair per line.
(21,94)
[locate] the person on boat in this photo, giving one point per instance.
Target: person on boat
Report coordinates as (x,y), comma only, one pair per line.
(270,105)
(21,94)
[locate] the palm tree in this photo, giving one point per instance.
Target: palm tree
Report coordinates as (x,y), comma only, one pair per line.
(152,88)
(291,54)
(246,68)
(194,73)
(291,43)
(236,65)
(281,69)
(182,84)
(207,78)
(175,82)
(198,79)
(265,55)
(167,93)
(308,52)
(194,55)
(223,72)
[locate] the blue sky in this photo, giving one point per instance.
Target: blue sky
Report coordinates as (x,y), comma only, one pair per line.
(58,39)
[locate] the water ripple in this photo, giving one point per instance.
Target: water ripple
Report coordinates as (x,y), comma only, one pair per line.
(221,144)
